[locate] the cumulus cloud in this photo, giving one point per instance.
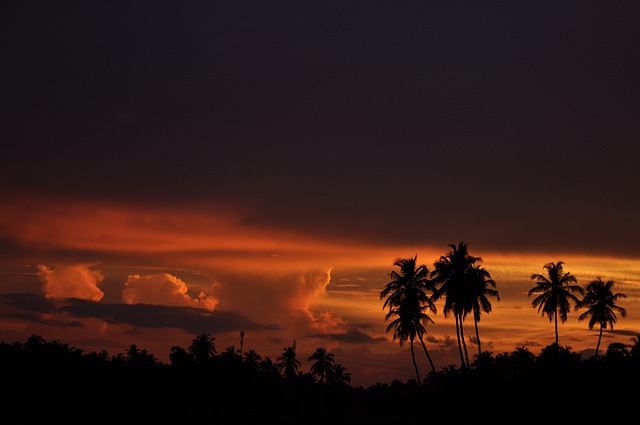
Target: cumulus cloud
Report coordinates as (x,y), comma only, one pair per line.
(164,289)
(311,286)
(71,281)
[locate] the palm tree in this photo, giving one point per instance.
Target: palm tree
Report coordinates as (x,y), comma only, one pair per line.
(133,352)
(140,357)
(251,360)
(481,287)
(268,368)
(556,293)
(600,303)
(203,348)
(252,357)
(339,378)
(634,349)
(455,276)
(407,299)
(180,358)
(287,363)
(323,365)
(34,343)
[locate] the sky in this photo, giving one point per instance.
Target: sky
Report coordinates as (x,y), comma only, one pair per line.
(176,168)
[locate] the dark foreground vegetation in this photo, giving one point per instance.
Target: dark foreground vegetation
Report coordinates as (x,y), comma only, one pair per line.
(47,380)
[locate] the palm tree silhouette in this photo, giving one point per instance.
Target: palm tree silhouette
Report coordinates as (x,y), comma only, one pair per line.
(252,357)
(339,378)
(456,275)
(407,298)
(180,358)
(287,363)
(323,365)
(268,368)
(634,349)
(556,293)
(203,348)
(600,303)
(481,287)
(132,352)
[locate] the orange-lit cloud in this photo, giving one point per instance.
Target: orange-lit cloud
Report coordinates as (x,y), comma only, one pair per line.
(71,281)
(311,288)
(163,289)
(128,228)
(209,236)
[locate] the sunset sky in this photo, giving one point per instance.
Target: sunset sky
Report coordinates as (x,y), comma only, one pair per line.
(176,168)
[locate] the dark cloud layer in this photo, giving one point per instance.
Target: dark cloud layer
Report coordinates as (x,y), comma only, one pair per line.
(192,320)
(509,124)
(352,336)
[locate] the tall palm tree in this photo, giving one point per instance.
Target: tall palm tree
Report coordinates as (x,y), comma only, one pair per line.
(555,293)
(481,286)
(287,363)
(407,299)
(323,365)
(455,279)
(600,303)
(203,348)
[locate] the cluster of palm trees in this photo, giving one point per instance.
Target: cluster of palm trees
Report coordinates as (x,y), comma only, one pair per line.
(556,295)
(466,286)
(324,369)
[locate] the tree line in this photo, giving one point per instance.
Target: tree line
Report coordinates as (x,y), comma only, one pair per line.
(40,377)
(244,385)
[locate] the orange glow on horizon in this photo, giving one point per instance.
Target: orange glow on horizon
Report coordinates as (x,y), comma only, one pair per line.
(320,292)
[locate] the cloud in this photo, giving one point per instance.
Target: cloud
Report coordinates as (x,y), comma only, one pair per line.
(71,281)
(310,285)
(33,308)
(189,319)
(163,289)
(351,336)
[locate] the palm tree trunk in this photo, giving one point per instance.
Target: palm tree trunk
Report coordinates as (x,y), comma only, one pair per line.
(424,347)
(464,344)
(599,339)
(475,323)
(555,318)
(458,338)
(415,365)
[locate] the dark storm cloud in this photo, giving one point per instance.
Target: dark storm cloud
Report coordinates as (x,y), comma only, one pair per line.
(29,302)
(31,307)
(498,123)
(191,320)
